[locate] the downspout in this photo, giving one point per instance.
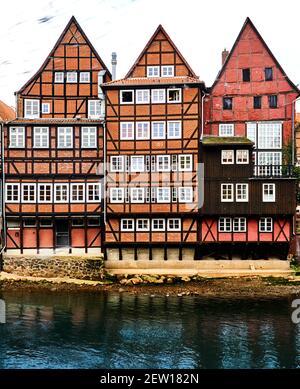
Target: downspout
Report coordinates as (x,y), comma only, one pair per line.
(202,115)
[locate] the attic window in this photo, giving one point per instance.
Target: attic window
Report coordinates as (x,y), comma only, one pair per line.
(268,74)
(59,77)
(127,96)
(71,77)
(167,71)
(227,103)
(153,71)
(246,75)
(174,95)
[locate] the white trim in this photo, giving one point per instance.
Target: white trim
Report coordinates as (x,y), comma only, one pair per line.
(177,220)
(268,198)
(30,186)
(164,130)
(82,76)
(242,200)
(163,199)
(160,159)
(145,229)
(223,158)
(263,223)
(137,130)
(59,77)
(29,106)
(41,201)
(41,136)
(20,133)
(158,92)
(187,192)
(73,184)
(168,129)
(231,199)
(120,161)
(126,130)
(56,185)
(44,105)
(159,229)
(6,192)
(127,220)
(119,194)
(95,106)
(94,185)
(138,192)
(226,129)
(90,134)
(139,166)
(184,157)
(70,78)
(164,67)
(174,101)
(121,96)
(239,224)
(143,100)
(152,68)
(241,162)
(65,134)
(224,219)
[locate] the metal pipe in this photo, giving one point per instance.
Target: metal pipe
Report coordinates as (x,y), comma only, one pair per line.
(202,115)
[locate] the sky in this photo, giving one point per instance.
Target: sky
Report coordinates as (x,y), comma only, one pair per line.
(200,29)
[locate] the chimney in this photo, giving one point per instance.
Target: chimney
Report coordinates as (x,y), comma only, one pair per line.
(224,56)
(114,65)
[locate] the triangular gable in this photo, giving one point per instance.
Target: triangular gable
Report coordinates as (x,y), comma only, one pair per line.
(249,25)
(160,50)
(72,35)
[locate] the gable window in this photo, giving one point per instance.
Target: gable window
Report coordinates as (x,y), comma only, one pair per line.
(117,195)
(17,137)
(59,77)
(89,137)
(242,156)
(174,129)
(185,163)
(158,96)
(174,95)
(137,195)
(163,163)
(127,224)
(158,130)
(12,193)
(142,224)
(225,224)
(137,163)
(226,129)
(142,96)
(84,77)
(167,71)
(227,103)
(241,191)
(265,224)
(127,96)
(239,224)
(185,194)
(227,157)
(158,225)
(45,107)
(65,137)
(163,195)
(41,137)
(268,193)
(246,75)
(94,109)
(71,77)
(268,74)
(273,101)
(32,109)
(153,71)
(93,192)
(127,130)
(117,163)
(61,193)
(142,130)
(227,192)
(269,135)
(174,224)
(77,193)
(257,102)
(45,193)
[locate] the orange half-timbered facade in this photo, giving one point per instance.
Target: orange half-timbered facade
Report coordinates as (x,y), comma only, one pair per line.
(54,153)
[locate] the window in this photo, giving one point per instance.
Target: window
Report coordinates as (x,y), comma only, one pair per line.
(45,107)
(241,192)
(12,193)
(142,96)
(239,224)
(185,194)
(127,96)
(45,193)
(46,223)
(269,135)
(137,195)
(32,109)
(77,222)
(127,224)
(163,163)
(273,101)
(174,195)
(174,95)
(225,224)
(61,193)
(77,193)
(158,225)
(167,71)
(65,137)
(158,96)
(89,137)
(28,193)
(93,221)
(227,157)
(117,164)
(246,75)
(185,163)
(158,130)
(13,224)
(268,74)
(265,224)
(41,137)
(257,102)
(226,192)
(174,224)
(58,77)
(226,129)
(117,195)
(84,77)
(242,156)
(17,137)
(29,223)
(142,130)
(127,130)
(163,195)
(268,193)
(94,109)
(227,103)
(269,163)
(71,77)
(137,164)
(251,132)
(153,71)
(142,224)
(93,192)
(174,130)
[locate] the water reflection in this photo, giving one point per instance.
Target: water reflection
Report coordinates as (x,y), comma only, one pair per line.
(126,331)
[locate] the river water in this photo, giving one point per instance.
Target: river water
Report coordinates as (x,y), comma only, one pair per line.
(54,330)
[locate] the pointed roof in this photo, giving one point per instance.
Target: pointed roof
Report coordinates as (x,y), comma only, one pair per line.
(60,39)
(250,23)
(160,29)
(6,112)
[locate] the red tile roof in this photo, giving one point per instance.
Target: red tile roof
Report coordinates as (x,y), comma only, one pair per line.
(6,112)
(154,81)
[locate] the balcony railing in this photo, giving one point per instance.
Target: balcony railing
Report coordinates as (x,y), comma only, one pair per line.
(273,171)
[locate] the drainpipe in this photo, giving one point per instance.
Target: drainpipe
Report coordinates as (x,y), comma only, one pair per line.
(202,115)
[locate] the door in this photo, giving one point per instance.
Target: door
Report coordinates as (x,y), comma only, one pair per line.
(62,233)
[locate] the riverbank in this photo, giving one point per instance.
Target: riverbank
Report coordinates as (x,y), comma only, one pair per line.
(235,287)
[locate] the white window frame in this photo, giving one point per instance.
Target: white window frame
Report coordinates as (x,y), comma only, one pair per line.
(94,109)
(123,229)
(153,69)
(251,132)
(163,163)
(121,96)
(30,186)
(174,101)
(38,132)
(145,228)
(185,194)
(91,134)
(46,108)
(119,163)
(124,127)
(77,184)
(20,135)
(59,77)
(13,185)
(153,136)
(222,224)
(225,160)
(29,111)
(163,194)
(42,200)
(226,129)
(267,197)
(240,157)
(239,224)
(135,194)
(264,224)
(158,92)
(271,131)
(242,199)
(63,132)
(70,77)
(225,199)
(167,68)
(158,229)
(174,220)
(175,135)
(145,130)
(84,77)
(94,198)
(118,197)
(144,94)
(137,163)
(184,158)
(57,185)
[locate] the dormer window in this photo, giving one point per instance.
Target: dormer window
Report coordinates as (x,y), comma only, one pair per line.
(153,71)
(31,109)
(167,71)
(71,77)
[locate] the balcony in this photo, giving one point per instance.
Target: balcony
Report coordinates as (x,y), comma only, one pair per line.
(274,171)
